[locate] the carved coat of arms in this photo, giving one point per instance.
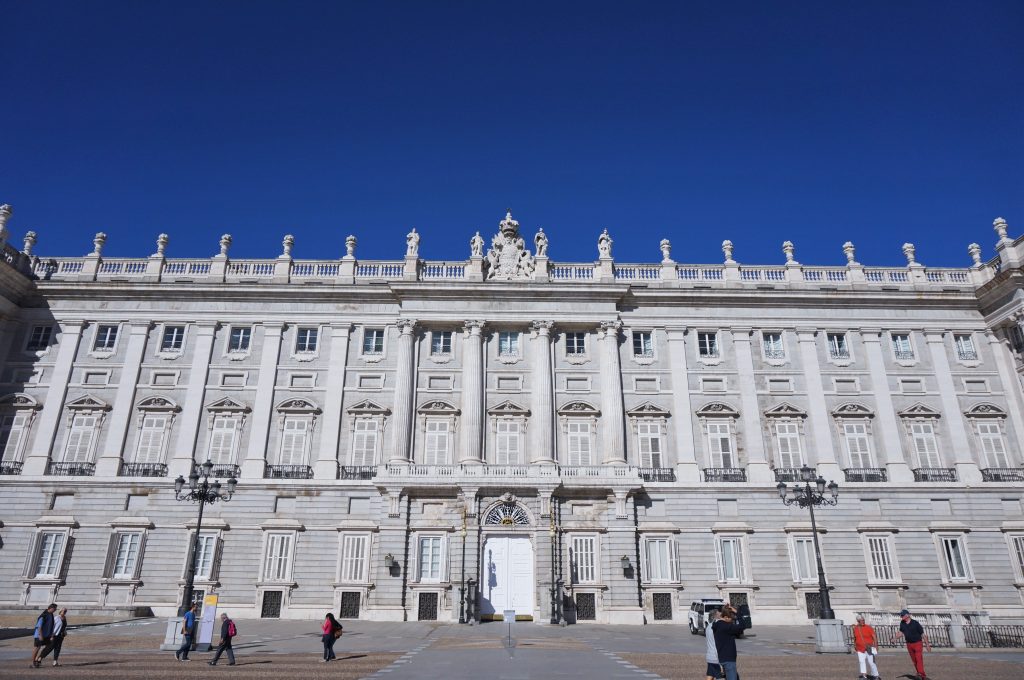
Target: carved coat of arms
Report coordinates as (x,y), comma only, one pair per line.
(508,259)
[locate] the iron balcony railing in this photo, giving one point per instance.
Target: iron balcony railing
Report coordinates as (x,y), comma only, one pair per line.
(774,353)
(10,467)
(143,470)
(866,474)
(903,355)
(1002,475)
(658,474)
(725,475)
(838,353)
(357,472)
(71,469)
(935,475)
(221,470)
(787,475)
(966,355)
(288,472)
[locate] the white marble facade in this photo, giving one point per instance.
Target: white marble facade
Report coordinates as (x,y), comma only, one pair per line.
(399,427)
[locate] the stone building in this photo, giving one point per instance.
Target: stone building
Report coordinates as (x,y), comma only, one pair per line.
(590,441)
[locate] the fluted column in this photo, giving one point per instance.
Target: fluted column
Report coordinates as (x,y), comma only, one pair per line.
(687,469)
(542,418)
(256,456)
(404,369)
(750,414)
(967,470)
(184,451)
(1005,364)
(112,453)
(327,458)
(613,416)
(471,449)
(892,441)
(821,451)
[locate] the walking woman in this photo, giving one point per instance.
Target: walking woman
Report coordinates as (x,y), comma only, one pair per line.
(60,630)
(331,631)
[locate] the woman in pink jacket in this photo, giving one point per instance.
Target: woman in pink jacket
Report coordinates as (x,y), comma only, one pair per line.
(331,631)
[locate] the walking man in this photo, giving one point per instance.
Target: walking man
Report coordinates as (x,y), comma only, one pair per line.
(188,633)
(60,629)
(913,633)
(726,630)
(866,644)
(714,671)
(42,634)
(227,631)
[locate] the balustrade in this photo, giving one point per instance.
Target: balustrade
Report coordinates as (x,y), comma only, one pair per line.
(866,474)
(935,475)
(1002,475)
(143,470)
(71,469)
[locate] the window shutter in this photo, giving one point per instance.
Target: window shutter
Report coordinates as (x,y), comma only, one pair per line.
(673,558)
(720,558)
(112,543)
(32,558)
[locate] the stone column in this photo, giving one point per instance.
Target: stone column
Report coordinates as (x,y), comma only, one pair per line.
(687,469)
(613,416)
(184,451)
(400,440)
(326,466)
(750,413)
(966,469)
(255,461)
(50,416)
(820,441)
(891,438)
(1005,364)
(471,447)
(112,452)
(542,416)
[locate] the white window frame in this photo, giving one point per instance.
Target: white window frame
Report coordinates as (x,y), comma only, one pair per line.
(667,571)
(576,345)
(231,458)
(772,352)
(588,571)
(12,408)
(924,441)
(709,346)
(649,433)
(437,346)
(172,352)
(110,345)
(952,572)
(845,435)
(719,431)
(442,558)
(581,432)
(278,556)
(965,349)
(354,568)
(510,430)
(132,563)
(290,428)
(642,343)
(991,436)
(835,350)
(794,437)
(41,344)
(208,548)
(361,429)
(886,558)
(1015,544)
(743,571)
(155,429)
(55,554)
(83,423)
(303,351)
(509,346)
(902,347)
(369,335)
(432,431)
(801,551)
(237,353)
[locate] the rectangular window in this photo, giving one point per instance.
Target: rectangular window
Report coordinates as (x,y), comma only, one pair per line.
(50,554)
(901,347)
(858,448)
(965,350)
(643,344)
(240,339)
(578,440)
(773,348)
(12,430)
(649,441)
(707,345)
(430,559)
(788,436)
(720,445)
(39,338)
(306,339)
(106,338)
(662,564)
(730,559)
(584,559)
(955,553)
(278,563)
(508,344)
(294,441)
(173,340)
(126,555)
(837,347)
(507,442)
(805,568)
(440,343)
(364,442)
(354,552)
(576,343)
(205,548)
(151,439)
(1017,555)
(373,341)
(79,446)
(436,446)
(992,445)
(925,445)
(222,440)
(880,560)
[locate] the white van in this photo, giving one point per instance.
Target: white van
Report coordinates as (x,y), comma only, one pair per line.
(700,611)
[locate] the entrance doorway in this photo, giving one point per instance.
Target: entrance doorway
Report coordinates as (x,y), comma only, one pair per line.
(507,579)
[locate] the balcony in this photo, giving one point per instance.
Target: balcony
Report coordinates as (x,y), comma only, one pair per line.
(966,355)
(143,470)
(776,354)
(71,469)
(935,475)
(866,475)
(903,354)
(788,475)
(10,467)
(288,472)
(220,470)
(357,472)
(725,475)
(658,474)
(1002,475)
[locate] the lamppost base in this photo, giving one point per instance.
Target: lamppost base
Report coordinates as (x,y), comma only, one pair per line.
(172,634)
(829,638)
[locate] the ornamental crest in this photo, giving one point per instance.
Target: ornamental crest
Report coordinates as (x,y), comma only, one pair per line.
(508,259)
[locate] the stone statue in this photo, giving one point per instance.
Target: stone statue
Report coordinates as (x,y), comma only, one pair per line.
(161,244)
(908,252)
(850,252)
(788,250)
(604,245)
(508,259)
(97,243)
(225,243)
(540,242)
(666,250)
(412,244)
(350,246)
(974,250)
(287,243)
(999,224)
(727,250)
(476,245)
(30,242)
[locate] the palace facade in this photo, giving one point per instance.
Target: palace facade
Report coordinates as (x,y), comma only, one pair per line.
(593,442)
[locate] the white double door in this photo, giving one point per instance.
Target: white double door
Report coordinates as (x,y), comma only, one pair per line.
(507,579)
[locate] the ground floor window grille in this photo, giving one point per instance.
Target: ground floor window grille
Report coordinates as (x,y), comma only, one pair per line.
(350,605)
(812,601)
(662,606)
(197,598)
(739,599)
(271,608)
(427,607)
(586,607)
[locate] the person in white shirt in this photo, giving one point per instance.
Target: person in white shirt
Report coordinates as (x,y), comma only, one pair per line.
(714,671)
(60,629)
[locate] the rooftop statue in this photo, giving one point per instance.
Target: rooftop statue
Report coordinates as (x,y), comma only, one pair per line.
(508,259)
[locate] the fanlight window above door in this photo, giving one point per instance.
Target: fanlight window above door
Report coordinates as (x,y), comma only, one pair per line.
(508,514)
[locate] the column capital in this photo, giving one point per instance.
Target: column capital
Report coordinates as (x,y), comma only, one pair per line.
(206,327)
(676,333)
(274,326)
(805,334)
(609,330)
(742,332)
(406,325)
(340,328)
(542,327)
(933,335)
(870,334)
(474,326)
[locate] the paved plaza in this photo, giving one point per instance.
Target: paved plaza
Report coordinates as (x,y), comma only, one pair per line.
(396,651)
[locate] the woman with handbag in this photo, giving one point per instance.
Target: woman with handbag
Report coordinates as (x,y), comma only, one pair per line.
(331,632)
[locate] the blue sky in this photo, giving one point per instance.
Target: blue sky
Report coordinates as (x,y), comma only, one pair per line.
(877,122)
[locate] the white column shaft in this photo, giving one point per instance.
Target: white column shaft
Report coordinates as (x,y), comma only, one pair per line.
(471,448)
(50,416)
(890,441)
(1005,364)
(613,417)
(967,469)
(821,447)
(687,469)
(328,454)
(256,456)
(112,453)
(400,452)
(750,413)
(184,451)
(542,416)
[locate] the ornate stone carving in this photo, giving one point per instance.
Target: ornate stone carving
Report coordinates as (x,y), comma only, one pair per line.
(350,246)
(666,250)
(412,244)
(853,410)
(225,243)
(789,251)
(97,243)
(540,242)
(476,245)
(986,410)
(850,252)
(717,408)
(974,250)
(287,243)
(604,245)
(908,252)
(30,242)
(727,250)
(508,259)
(999,224)
(161,244)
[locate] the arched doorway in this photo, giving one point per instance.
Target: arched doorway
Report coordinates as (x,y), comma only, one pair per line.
(507,581)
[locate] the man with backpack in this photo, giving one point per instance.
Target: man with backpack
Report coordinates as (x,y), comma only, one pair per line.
(42,635)
(188,632)
(227,632)
(729,627)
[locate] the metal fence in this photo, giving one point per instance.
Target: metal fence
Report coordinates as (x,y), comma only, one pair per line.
(938,636)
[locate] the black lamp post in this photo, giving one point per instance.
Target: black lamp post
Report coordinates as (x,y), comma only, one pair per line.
(808,497)
(200,490)
(556,586)
(462,587)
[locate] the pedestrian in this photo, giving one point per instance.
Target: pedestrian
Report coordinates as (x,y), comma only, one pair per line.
(188,633)
(726,630)
(60,629)
(42,634)
(714,671)
(866,644)
(227,632)
(913,632)
(331,632)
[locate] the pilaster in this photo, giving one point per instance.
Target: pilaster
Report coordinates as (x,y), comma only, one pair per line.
(329,452)
(112,453)
(613,416)
(891,439)
(967,469)
(1011,385)
(750,414)
(821,434)
(400,438)
(471,448)
(184,449)
(687,469)
(542,416)
(255,461)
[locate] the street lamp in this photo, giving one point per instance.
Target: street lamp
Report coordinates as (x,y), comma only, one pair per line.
(200,490)
(808,497)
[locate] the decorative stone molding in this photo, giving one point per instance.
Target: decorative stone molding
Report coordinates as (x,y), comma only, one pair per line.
(985,410)
(919,410)
(717,409)
(508,259)
(852,409)
(785,410)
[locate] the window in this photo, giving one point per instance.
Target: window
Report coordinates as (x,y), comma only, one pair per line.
(222,440)
(584,559)
(39,338)
(575,343)
(354,553)
(643,344)
(151,439)
(965,350)
(240,339)
(837,347)
(707,345)
(901,347)
(662,562)
(805,568)
(882,568)
(173,340)
(106,338)
(205,548)
(1017,556)
(858,448)
(50,554)
(992,445)
(1016,336)
(305,340)
(787,435)
(579,442)
(954,553)
(649,442)
(507,439)
(773,347)
(294,441)
(923,434)
(79,445)
(12,431)
(364,442)
(430,561)
(729,551)
(508,344)
(441,343)
(720,445)
(126,555)
(373,341)
(277,566)
(436,445)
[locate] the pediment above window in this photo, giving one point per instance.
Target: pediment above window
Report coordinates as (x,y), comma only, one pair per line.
(718,409)
(508,408)
(578,408)
(298,406)
(785,410)
(647,410)
(853,410)
(919,410)
(20,401)
(368,408)
(438,408)
(88,403)
(227,405)
(985,411)
(158,404)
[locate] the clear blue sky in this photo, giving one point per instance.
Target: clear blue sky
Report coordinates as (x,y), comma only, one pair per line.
(818,122)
